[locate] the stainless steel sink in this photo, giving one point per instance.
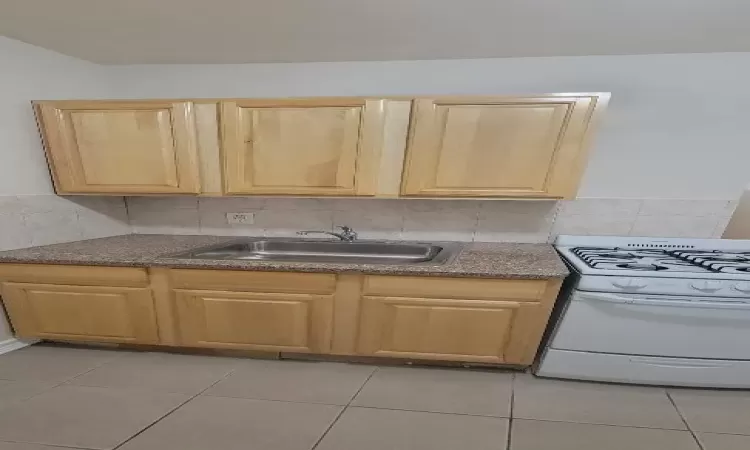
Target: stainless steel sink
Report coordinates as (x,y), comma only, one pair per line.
(358,252)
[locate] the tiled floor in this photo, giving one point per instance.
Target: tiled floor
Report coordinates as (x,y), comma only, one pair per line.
(55,397)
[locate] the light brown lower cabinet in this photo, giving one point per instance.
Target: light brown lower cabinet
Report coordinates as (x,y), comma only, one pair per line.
(492,321)
(65,304)
(444,329)
(255,320)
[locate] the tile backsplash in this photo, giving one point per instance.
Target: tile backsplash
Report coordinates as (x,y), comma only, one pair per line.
(459,220)
(649,217)
(447,220)
(48,219)
(30,220)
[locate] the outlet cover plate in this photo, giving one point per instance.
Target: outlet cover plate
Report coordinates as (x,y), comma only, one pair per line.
(240,218)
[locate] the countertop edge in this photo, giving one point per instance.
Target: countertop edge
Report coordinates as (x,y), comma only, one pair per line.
(288,268)
(507,260)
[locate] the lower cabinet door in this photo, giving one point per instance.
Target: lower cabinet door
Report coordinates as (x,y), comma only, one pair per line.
(85,313)
(485,331)
(257,321)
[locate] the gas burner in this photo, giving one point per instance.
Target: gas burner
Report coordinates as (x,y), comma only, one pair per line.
(638,266)
(729,267)
(718,261)
(616,258)
(738,258)
(612,255)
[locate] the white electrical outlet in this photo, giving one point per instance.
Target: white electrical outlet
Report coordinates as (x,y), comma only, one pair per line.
(240,218)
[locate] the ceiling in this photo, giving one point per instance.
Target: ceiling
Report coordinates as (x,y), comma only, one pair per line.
(247,31)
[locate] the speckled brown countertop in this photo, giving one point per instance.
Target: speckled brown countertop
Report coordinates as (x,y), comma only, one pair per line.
(479,259)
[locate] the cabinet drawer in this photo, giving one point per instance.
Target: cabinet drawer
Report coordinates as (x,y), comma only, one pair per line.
(74,275)
(85,313)
(226,280)
(460,288)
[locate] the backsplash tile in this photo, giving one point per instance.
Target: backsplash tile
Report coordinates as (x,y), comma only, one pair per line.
(516,221)
(51,227)
(674,226)
(691,208)
(286,223)
(50,219)
(13,232)
(617,207)
(380,223)
(163,215)
(440,225)
(597,216)
(593,225)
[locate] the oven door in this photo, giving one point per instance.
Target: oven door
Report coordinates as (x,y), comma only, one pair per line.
(655,325)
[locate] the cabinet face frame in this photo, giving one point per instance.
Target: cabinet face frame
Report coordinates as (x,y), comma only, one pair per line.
(67,164)
(568,158)
(359,175)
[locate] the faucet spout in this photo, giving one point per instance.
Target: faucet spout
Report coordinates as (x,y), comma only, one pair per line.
(347,234)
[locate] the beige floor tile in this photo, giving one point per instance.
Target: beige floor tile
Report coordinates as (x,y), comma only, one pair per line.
(12,392)
(50,363)
(438,390)
(183,374)
(378,429)
(712,441)
(541,435)
(87,417)
(238,424)
(714,411)
(567,401)
(296,381)
(21,446)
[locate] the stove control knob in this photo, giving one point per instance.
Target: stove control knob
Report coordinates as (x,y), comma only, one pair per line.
(629,283)
(707,286)
(742,287)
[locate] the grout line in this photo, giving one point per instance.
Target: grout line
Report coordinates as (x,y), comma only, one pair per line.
(68,380)
(343,409)
(475,228)
(512,405)
(600,424)
(430,412)
(35,444)
(169,413)
(271,400)
(333,422)
(363,386)
(687,425)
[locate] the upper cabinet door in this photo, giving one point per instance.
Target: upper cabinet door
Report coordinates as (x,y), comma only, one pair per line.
(302,146)
(120,147)
(498,147)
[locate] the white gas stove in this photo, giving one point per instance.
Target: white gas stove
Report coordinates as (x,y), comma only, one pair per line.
(652,311)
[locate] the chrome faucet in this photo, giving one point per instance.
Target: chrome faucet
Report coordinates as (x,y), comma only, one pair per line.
(346,235)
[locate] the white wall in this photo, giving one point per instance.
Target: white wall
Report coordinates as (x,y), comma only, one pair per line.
(29,213)
(32,73)
(677,126)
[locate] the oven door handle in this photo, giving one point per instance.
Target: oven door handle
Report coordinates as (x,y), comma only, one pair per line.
(614,298)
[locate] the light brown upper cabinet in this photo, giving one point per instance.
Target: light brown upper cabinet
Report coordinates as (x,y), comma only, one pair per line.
(120,147)
(531,146)
(499,146)
(314,146)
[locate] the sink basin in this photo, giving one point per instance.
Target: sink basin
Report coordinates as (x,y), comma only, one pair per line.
(358,252)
